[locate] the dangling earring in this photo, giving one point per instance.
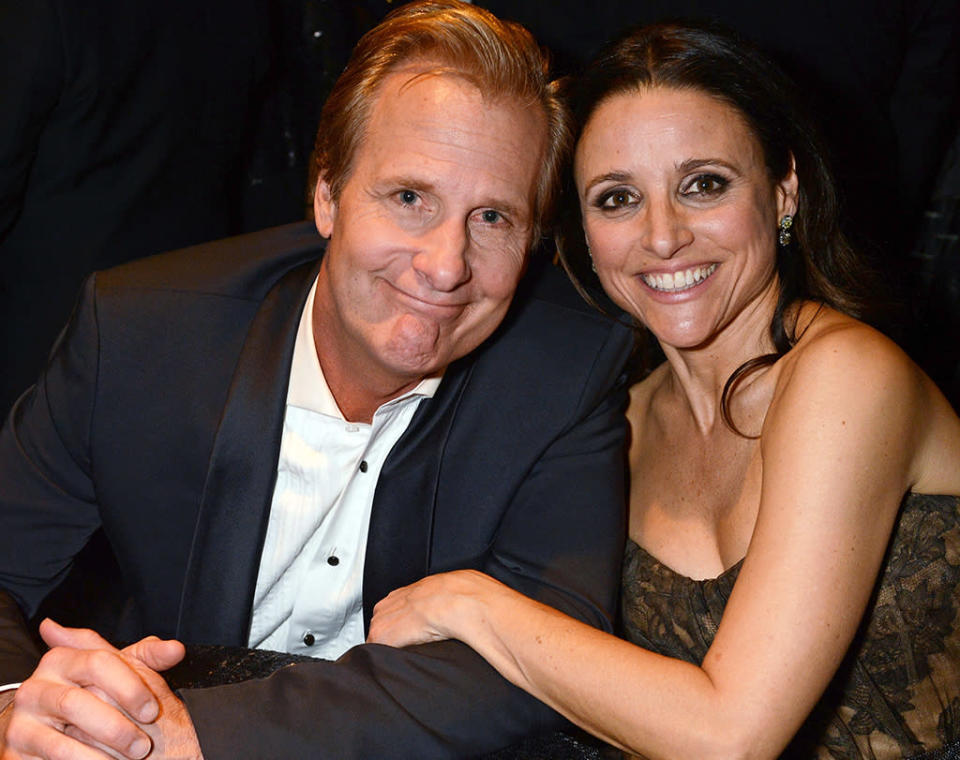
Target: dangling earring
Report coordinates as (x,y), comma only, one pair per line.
(593,264)
(784,236)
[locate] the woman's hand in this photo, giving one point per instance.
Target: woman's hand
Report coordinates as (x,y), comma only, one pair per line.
(443,606)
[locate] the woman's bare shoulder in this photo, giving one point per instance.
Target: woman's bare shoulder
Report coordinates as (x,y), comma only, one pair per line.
(841,366)
(825,335)
(837,353)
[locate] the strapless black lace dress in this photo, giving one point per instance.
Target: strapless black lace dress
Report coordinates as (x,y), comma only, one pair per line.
(897,693)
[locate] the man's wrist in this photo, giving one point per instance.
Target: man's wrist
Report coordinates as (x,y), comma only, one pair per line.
(7,694)
(6,708)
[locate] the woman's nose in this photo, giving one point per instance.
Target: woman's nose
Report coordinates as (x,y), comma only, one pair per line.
(664,229)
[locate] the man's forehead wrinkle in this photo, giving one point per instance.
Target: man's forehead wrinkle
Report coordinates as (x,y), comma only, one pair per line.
(423,70)
(509,196)
(435,132)
(456,148)
(419,74)
(464,88)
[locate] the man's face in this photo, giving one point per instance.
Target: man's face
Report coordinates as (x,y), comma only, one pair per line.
(429,235)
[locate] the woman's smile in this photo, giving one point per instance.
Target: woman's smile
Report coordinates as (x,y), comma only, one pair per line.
(681,213)
(676,282)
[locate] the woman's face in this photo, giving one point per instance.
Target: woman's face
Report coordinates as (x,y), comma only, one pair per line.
(680,213)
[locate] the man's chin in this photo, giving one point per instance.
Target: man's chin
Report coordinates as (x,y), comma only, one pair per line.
(416,367)
(417,347)
(423,348)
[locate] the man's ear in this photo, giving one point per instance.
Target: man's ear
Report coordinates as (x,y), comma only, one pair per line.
(324,208)
(787,190)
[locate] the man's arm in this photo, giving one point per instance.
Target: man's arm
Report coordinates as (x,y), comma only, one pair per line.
(18,649)
(7,695)
(47,499)
(47,504)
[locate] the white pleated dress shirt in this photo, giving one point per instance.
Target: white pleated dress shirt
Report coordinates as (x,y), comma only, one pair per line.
(309,595)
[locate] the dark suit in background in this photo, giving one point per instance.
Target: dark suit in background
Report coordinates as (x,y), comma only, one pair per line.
(123,132)
(160,416)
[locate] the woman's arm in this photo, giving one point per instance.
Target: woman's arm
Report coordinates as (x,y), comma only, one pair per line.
(837,450)
(583,673)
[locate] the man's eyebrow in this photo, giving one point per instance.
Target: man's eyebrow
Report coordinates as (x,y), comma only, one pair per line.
(413,183)
(507,207)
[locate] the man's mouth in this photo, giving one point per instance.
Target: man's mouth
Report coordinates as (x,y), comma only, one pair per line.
(430,307)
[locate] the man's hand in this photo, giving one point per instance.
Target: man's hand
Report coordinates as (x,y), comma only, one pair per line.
(89,700)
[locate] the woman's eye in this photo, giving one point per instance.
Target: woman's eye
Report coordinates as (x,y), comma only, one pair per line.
(616,199)
(490,216)
(706,184)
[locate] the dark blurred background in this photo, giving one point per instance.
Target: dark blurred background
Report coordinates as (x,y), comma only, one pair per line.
(131,128)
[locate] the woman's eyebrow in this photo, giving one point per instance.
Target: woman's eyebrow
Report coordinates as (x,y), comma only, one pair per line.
(692,164)
(614,176)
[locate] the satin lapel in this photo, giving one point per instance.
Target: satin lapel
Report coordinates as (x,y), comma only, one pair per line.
(225,556)
(401,522)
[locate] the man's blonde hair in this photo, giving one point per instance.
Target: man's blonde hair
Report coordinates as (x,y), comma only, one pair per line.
(500,58)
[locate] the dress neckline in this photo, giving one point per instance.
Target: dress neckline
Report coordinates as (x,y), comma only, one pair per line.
(910,499)
(734,569)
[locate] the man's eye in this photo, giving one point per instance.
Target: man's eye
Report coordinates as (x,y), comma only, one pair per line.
(491,217)
(407,197)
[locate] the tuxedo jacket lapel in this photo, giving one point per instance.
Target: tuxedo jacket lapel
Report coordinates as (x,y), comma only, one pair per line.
(401,522)
(224,559)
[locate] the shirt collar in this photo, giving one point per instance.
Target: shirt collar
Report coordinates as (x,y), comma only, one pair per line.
(308,388)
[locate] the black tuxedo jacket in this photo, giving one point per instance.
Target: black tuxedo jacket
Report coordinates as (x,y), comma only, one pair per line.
(159,417)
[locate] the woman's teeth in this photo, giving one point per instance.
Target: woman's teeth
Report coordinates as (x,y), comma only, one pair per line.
(671,282)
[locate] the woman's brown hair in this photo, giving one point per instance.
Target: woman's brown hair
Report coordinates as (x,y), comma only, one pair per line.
(818,263)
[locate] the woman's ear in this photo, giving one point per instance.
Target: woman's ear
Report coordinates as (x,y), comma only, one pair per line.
(324,208)
(787,190)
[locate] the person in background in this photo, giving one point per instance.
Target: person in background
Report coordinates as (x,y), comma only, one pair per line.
(274,432)
(791,583)
(124,131)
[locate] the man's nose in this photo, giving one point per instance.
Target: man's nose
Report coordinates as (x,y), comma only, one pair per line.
(442,259)
(664,229)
